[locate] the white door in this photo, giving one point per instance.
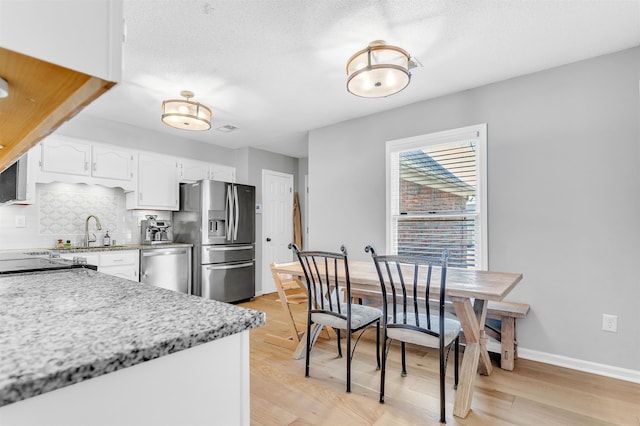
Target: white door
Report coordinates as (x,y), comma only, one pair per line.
(277,223)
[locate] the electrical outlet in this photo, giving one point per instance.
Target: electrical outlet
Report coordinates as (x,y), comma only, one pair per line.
(610,323)
(21,221)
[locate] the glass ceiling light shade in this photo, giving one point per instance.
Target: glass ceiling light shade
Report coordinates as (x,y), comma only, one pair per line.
(185,114)
(379,70)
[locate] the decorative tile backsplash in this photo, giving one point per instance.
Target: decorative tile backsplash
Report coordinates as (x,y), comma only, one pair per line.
(65,212)
(60,211)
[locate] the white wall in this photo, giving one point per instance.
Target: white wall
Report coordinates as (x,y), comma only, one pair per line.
(563,195)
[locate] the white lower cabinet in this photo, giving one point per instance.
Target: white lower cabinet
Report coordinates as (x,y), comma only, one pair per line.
(121,263)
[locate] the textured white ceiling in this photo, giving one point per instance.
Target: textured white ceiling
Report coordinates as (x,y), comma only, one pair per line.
(276,68)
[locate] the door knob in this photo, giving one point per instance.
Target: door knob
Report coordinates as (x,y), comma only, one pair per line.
(268,239)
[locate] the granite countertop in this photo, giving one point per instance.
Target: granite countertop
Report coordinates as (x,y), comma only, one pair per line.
(46,251)
(60,328)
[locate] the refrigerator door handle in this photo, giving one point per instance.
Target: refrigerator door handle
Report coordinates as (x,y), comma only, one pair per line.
(233,266)
(158,252)
(229,224)
(237,218)
(225,248)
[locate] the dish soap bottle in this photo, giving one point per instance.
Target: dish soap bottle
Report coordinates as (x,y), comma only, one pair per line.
(107,239)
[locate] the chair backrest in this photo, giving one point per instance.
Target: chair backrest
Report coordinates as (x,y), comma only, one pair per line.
(407,284)
(328,284)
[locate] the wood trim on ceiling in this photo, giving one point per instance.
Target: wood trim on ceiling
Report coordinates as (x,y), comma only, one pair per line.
(42,96)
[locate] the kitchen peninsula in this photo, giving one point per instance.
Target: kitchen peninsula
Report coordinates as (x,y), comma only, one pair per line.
(82,347)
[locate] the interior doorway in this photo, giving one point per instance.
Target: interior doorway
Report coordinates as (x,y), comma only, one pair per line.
(277,223)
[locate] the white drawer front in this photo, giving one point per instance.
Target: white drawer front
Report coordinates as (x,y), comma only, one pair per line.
(117,258)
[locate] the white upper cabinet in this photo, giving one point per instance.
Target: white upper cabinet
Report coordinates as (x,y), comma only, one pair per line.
(157,184)
(68,156)
(112,163)
(193,170)
(222,173)
(64,159)
(81,35)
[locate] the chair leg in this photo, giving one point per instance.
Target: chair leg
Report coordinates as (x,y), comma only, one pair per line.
(339,347)
(404,360)
(306,371)
(378,344)
(384,363)
(442,372)
(349,356)
(456,358)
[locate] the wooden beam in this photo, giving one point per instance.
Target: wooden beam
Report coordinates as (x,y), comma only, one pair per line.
(42,96)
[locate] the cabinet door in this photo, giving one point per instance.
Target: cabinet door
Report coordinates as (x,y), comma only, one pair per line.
(157,182)
(222,173)
(62,155)
(193,171)
(112,163)
(123,264)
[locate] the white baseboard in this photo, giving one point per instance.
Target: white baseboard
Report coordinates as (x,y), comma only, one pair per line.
(577,364)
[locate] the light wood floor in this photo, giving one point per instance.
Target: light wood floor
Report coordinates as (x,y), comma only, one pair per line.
(532,394)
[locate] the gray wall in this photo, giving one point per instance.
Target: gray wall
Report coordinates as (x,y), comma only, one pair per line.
(303,169)
(563,195)
(259,160)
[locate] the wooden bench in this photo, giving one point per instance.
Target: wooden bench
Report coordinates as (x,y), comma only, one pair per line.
(506,312)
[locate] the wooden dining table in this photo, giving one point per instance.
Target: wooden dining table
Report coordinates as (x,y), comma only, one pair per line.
(468,291)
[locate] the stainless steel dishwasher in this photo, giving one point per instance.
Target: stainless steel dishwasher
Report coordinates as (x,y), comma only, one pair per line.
(168,267)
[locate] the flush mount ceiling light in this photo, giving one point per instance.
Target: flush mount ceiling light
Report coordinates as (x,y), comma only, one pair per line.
(185,114)
(379,70)
(4,88)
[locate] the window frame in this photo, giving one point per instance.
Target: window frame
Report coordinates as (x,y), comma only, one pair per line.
(476,132)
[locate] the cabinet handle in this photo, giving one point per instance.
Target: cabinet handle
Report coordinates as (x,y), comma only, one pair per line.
(141,196)
(94,166)
(86,165)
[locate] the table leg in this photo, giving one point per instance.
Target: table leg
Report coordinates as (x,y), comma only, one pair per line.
(480,307)
(476,357)
(507,343)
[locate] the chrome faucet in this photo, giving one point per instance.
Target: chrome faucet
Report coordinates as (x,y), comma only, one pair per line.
(93,238)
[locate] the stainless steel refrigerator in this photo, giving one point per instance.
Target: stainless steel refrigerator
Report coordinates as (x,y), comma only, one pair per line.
(218,218)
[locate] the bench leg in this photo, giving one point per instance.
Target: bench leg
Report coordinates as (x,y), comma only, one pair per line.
(507,343)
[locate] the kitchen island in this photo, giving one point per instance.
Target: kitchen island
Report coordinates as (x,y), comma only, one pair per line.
(81,347)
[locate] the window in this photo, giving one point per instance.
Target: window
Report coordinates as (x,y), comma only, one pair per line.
(436,196)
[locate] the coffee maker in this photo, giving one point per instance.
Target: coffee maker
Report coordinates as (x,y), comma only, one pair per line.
(154,231)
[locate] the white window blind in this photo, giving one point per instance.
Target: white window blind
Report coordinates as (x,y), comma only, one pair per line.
(436,197)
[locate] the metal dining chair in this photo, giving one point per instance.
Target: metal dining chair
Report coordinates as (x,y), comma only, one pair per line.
(407,313)
(330,302)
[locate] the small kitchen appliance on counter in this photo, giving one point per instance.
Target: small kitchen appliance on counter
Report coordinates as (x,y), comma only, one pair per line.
(154,231)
